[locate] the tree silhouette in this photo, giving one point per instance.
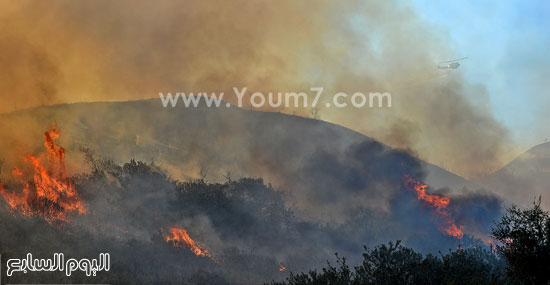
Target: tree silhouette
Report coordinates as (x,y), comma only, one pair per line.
(397,264)
(525,238)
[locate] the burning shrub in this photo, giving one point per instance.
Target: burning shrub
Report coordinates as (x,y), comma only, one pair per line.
(51,193)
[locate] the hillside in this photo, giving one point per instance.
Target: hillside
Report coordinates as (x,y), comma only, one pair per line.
(322,188)
(216,141)
(524,178)
(328,173)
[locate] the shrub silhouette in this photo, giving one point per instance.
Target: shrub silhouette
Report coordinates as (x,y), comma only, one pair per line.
(397,264)
(525,238)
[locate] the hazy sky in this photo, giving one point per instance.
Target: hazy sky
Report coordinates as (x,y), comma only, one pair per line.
(506,43)
(470,120)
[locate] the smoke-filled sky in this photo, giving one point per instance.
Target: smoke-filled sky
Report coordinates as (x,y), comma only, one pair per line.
(68,51)
(507,45)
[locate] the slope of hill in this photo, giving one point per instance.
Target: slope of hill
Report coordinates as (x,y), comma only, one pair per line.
(329,173)
(524,178)
(145,130)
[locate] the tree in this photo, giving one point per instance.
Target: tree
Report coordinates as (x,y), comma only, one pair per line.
(314,113)
(392,264)
(524,235)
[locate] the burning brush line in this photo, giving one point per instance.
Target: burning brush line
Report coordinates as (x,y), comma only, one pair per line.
(51,194)
(180,238)
(439,205)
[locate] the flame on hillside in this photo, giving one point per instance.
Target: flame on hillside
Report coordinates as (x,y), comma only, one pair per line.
(50,194)
(15,171)
(439,205)
(180,238)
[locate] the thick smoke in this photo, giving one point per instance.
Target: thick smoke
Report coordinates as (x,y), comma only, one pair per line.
(244,224)
(336,191)
(69,51)
(327,171)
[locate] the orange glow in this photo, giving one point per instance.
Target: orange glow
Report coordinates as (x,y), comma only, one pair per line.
(180,238)
(438,203)
(51,194)
(15,171)
(281,267)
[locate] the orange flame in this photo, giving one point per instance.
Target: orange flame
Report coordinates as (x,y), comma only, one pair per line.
(15,171)
(180,238)
(281,267)
(438,203)
(51,194)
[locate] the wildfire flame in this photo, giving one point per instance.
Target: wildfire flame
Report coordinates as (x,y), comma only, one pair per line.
(281,267)
(15,171)
(438,203)
(180,238)
(51,194)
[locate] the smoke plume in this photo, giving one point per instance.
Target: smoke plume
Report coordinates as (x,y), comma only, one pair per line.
(68,51)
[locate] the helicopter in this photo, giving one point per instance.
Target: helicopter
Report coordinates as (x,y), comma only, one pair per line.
(450,64)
